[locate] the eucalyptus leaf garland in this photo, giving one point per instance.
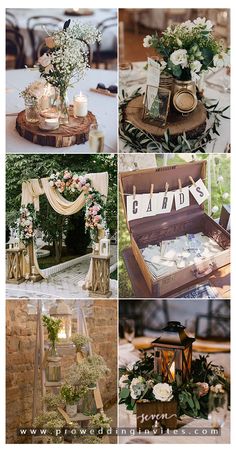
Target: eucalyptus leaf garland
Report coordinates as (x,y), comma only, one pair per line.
(140,141)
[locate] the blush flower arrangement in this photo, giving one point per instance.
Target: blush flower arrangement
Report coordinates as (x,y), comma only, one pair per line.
(188,49)
(140,382)
(67,57)
(95,213)
(26,224)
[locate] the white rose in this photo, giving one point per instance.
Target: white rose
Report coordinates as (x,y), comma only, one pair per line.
(203,23)
(179,57)
(122,383)
(163,392)
(44,60)
(147,41)
(221,60)
(195,66)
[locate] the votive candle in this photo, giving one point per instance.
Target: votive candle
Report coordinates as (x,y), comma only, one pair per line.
(80,105)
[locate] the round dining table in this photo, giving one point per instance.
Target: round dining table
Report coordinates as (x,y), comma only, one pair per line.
(102,106)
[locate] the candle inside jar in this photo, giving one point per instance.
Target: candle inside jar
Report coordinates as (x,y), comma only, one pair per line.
(49,119)
(80,105)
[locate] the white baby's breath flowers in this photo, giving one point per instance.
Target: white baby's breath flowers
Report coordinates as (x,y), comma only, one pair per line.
(147,41)
(220,178)
(163,392)
(218,388)
(179,57)
(215,209)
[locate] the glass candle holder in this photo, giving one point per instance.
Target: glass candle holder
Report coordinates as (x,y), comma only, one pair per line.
(96,139)
(31,112)
(49,119)
(80,105)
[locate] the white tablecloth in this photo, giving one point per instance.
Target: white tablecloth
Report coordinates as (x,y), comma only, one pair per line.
(128,420)
(103,107)
(109,38)
(137,78)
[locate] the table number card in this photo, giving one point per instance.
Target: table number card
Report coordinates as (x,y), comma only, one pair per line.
(164,202)
(182,198)
(153,73)
(134,207)
(199,191)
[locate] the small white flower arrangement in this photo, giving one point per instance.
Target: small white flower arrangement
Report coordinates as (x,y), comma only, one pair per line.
(66,59)
(189,48)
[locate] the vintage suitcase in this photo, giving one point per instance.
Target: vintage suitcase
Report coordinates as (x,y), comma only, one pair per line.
(154,229)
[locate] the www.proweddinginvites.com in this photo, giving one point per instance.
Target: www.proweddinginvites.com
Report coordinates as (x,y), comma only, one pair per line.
(80,432)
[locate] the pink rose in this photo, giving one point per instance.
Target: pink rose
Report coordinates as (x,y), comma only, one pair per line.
(50,42)
(202,388)
(44,60)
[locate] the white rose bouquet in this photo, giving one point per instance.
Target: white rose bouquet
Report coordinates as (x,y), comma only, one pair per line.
(163,392)
(189,49)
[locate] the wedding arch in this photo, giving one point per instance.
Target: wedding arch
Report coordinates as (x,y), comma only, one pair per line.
(31,192)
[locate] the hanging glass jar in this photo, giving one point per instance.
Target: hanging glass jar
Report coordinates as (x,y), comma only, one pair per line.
(53,366)
(31,111)
(88,404)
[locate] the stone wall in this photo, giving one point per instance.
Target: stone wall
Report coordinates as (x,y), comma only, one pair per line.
(101,319)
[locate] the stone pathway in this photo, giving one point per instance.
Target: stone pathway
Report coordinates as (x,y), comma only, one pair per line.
(65,284)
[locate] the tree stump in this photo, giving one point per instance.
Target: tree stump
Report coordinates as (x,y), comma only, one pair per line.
(100,276)
(15,265)
(193,124)
(74,133)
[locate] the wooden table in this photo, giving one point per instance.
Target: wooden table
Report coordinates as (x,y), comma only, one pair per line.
(219,280)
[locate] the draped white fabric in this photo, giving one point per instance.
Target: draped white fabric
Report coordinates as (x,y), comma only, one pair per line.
(32,189)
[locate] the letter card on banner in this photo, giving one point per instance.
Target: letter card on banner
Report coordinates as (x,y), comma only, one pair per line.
(181,198)
(199,191)
(134,207)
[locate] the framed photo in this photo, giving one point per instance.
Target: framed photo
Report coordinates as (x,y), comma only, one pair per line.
(156,105)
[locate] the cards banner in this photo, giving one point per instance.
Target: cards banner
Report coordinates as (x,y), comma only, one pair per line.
(145,205)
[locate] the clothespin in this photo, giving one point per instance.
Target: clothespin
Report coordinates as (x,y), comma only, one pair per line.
(134,192)
(151,190)
(166,187)
(192,180)
(180,184)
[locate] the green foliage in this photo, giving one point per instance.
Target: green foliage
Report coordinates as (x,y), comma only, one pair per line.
(71,394)
(53,327)
(188,395)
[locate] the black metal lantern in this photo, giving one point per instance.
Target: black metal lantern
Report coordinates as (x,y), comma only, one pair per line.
(173,353)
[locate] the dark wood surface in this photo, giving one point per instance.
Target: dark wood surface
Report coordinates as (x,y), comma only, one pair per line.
(74,133)
(192,124)
(219,280)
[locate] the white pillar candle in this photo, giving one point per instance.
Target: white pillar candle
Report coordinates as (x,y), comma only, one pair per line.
(80,105)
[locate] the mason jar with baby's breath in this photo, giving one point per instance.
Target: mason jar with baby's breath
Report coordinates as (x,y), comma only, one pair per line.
(31,106)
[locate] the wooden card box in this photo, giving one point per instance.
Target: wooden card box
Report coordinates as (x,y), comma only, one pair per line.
(148,412)
(154,229)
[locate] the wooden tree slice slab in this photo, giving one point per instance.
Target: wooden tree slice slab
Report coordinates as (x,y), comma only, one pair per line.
(192,124)
(74,133)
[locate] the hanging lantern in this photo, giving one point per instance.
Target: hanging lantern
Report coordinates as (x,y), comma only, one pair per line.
(61,311)
(173,353)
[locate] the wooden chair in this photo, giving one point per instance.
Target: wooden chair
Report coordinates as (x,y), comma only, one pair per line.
(11,21)
(15,57)
(105,56)
(35,23)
